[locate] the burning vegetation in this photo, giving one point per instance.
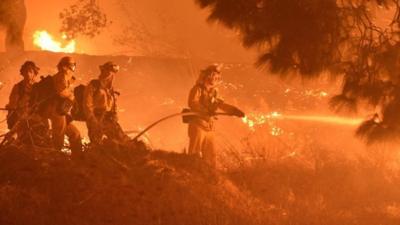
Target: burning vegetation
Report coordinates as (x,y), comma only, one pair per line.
(44,41)
(289,160)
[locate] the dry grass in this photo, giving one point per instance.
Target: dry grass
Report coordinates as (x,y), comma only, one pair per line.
(320,182)
(119,187)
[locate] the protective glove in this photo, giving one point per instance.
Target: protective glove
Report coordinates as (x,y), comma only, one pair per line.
(69,118)
(213,107)
(64,106)
(95,123)
(237,112)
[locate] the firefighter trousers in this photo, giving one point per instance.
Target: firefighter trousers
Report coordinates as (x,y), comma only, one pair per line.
(202,144)
(60,128)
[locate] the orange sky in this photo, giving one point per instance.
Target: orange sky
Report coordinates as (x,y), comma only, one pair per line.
(178,25)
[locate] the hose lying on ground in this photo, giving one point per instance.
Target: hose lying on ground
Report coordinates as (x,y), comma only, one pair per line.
(175,115)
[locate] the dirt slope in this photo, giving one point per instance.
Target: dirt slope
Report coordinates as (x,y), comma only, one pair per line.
(118,188)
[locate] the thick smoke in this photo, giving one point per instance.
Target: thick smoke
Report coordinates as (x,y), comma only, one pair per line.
(12,19)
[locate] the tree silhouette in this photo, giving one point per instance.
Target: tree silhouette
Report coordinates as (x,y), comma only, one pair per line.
(342,37)
(83,18)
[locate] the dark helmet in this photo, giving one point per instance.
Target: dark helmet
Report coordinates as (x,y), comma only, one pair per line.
(209,70)
(109,66)
(212,69)
(68,62)
(29,65)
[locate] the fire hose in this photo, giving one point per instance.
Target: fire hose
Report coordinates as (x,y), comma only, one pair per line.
(176,115)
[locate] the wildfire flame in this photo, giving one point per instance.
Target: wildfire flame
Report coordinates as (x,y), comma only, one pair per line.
(46,42)
(258,119)
(253,120)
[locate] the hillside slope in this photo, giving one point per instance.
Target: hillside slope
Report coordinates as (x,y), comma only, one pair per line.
(118,188)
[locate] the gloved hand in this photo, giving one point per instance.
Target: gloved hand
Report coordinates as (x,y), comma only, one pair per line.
(237,112)
(93,122)
(69,118)
(213,108)
(64,106)
(111,116)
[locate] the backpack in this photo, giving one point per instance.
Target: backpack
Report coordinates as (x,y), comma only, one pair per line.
(43,93)
(78,112)
(187,118)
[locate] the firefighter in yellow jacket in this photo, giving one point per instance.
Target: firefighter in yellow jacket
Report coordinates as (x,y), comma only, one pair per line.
(204,100)
(100,107)
(52,99)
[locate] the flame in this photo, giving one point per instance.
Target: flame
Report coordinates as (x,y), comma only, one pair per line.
(46,42)
(259,119)
(315,93)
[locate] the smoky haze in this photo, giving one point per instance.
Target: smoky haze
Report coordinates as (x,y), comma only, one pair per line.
(174,28)
(290,160)
(169,43)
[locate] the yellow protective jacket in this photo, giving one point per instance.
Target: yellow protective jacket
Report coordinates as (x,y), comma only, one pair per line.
(98,100)
(206,103)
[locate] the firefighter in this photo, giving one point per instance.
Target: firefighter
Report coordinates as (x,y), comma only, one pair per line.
(52,99)
(100,108)
(204,100)
(18,104)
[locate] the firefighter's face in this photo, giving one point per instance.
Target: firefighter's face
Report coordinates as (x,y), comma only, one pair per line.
(70,67)
(110,71)
(30,75)
(108,76)
(213,79)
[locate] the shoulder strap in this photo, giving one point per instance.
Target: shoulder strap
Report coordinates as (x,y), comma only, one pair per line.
(202,89)
(214,92)
(20,88)
(95,83)
(42,92)
(47,81)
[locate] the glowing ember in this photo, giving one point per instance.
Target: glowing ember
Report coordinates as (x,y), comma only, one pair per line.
(276,131)
(315,93)
(46,42)
(248,121)
(254,119)
(257,119)
(323,94)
